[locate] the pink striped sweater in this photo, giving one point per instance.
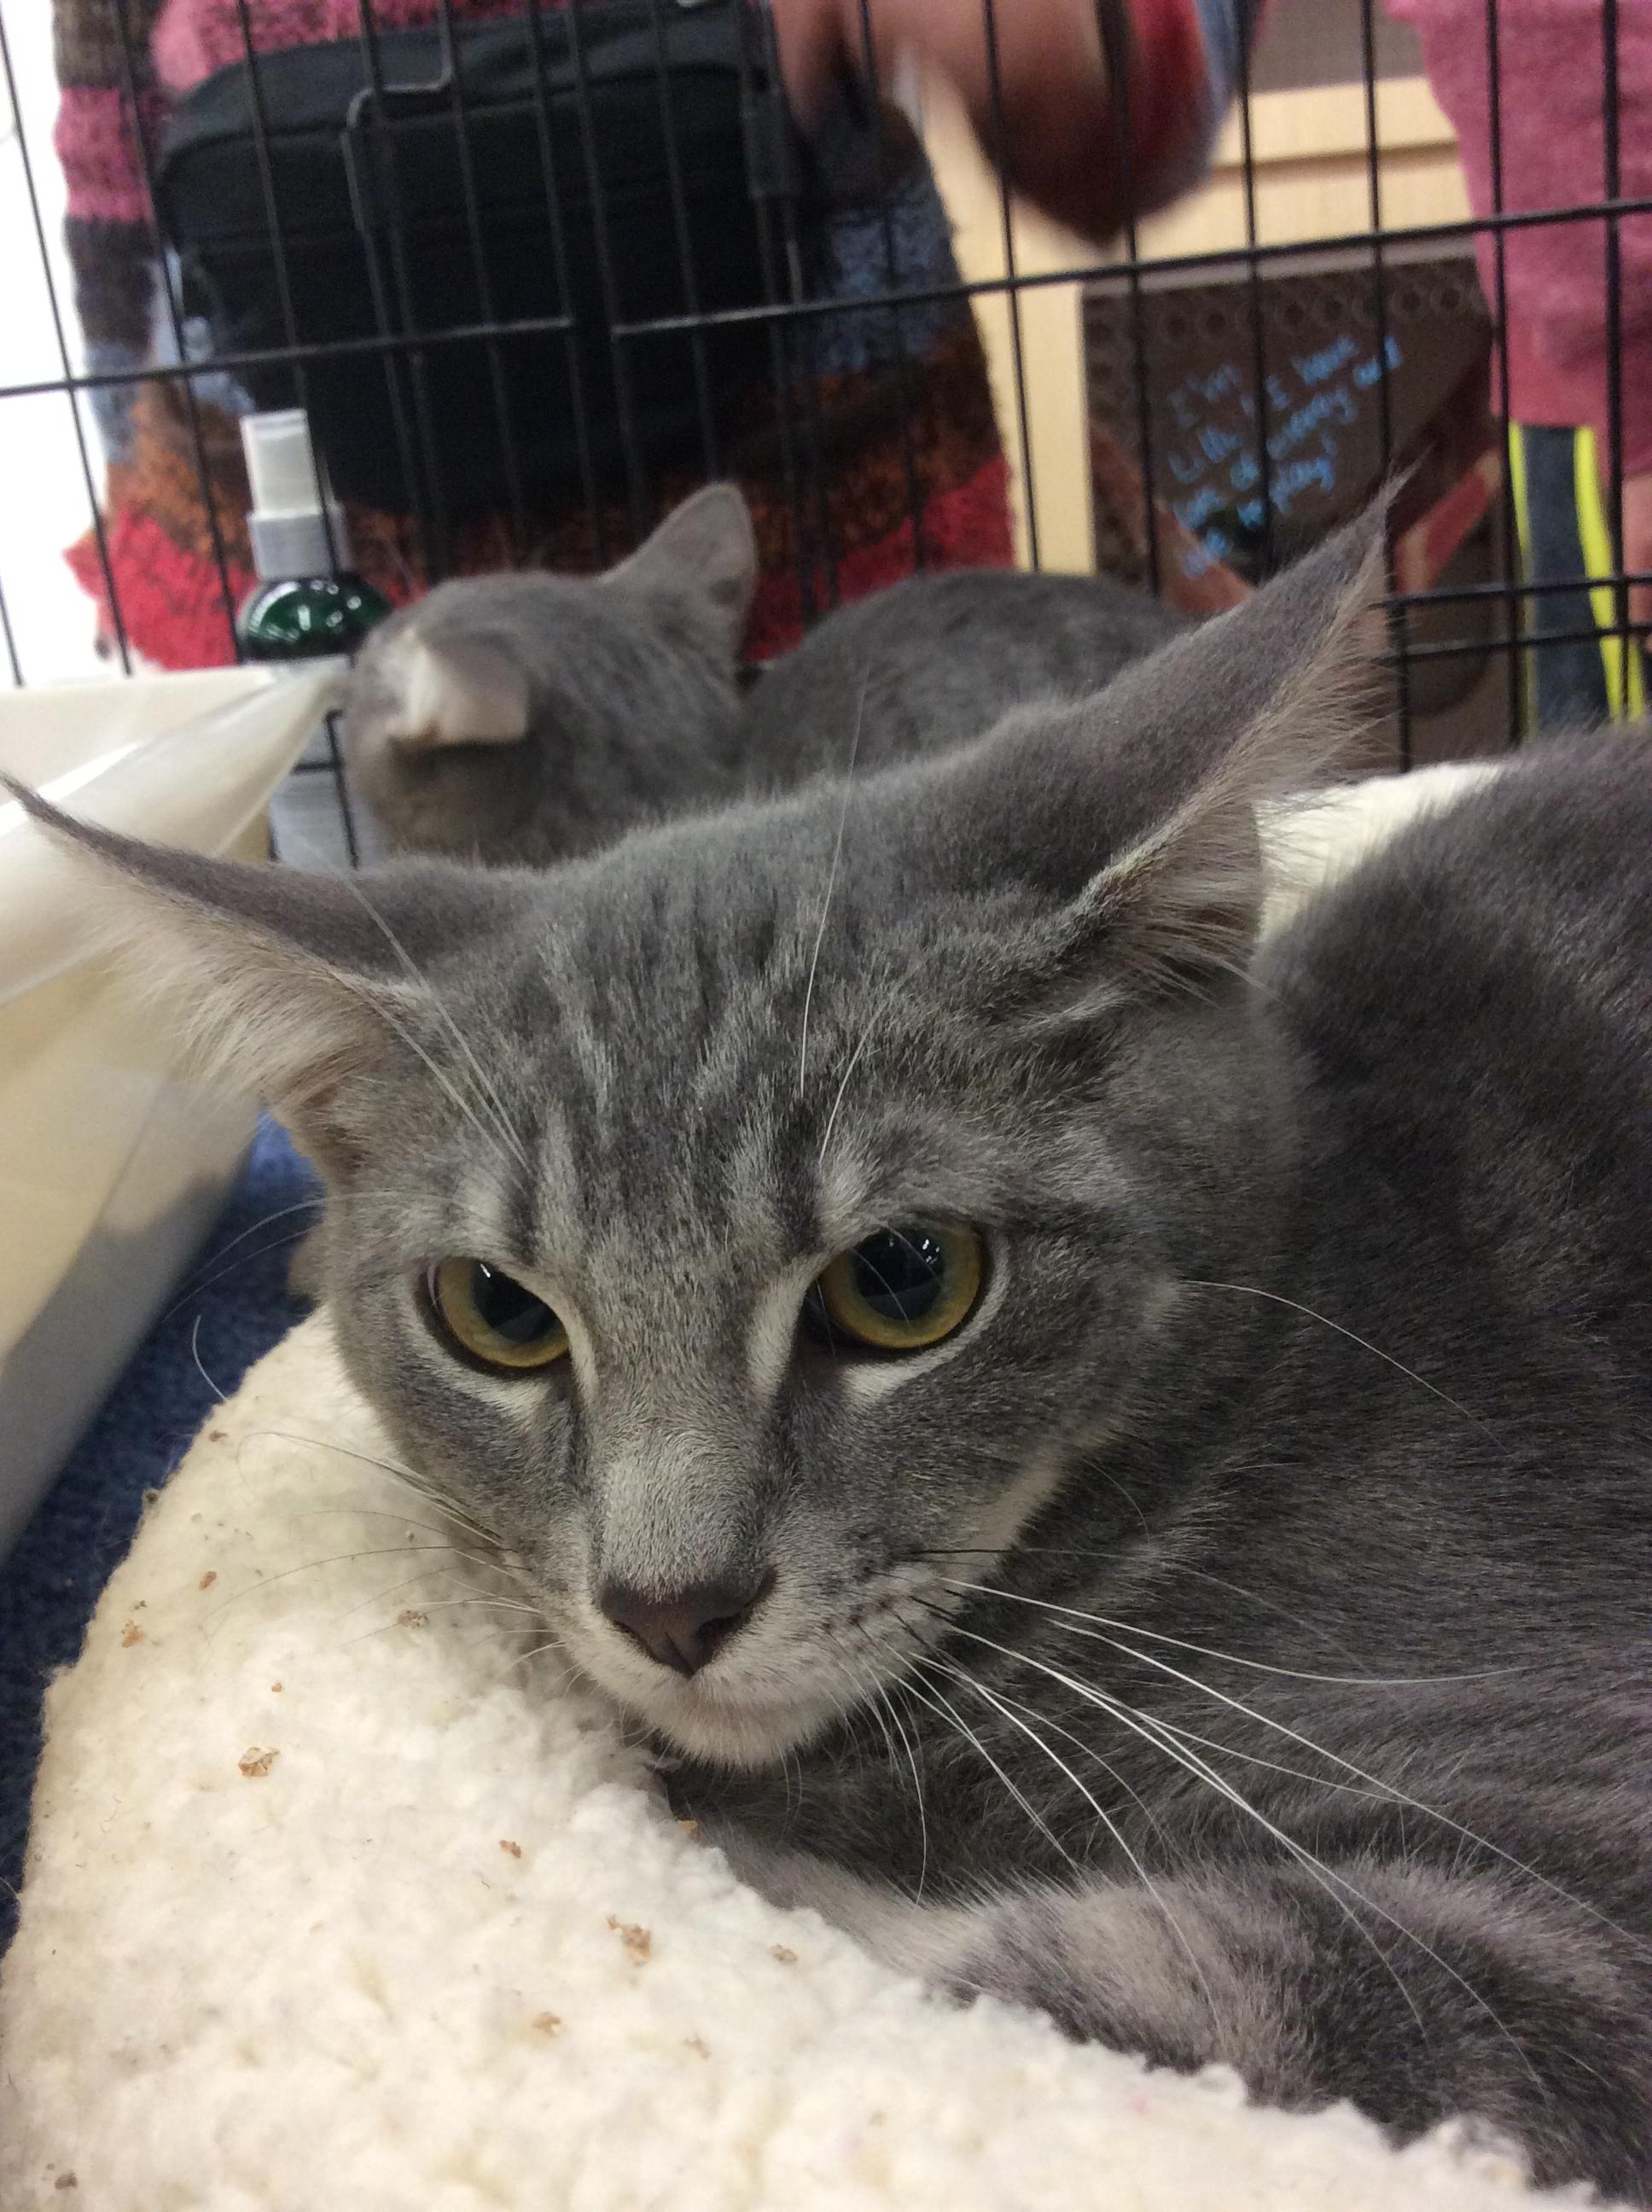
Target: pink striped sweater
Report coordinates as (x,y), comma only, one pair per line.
(1552,75)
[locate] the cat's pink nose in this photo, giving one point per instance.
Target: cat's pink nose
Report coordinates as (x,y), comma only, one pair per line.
(689,1626)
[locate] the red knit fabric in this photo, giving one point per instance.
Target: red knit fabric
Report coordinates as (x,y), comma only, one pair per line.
(967,528)
(195,37)
(172,604)
(101,163)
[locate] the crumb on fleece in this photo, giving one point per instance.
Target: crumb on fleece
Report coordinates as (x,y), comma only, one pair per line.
(638,1942)
(514,1850)
(66,2181)
(208,1579)
(274,1685)
(690,1828)
(217,1435)
(255,1763)
(784,1952)
(130,1635)
(548,2023)
(698,2045)
(410,1617)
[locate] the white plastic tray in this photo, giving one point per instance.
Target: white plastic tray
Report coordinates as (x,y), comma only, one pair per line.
(113,1166)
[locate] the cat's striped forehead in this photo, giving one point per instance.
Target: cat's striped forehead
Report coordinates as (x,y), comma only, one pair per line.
(706,1096)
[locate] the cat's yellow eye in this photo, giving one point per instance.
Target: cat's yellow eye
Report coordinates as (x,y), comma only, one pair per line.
(497,1320)
(900,1290)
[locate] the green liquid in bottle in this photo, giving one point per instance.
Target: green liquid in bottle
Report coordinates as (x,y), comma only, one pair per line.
(309,603)
(307,618)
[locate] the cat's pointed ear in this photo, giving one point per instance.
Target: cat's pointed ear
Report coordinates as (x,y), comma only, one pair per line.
(1131,818)
(456,689)
(299,989)
(1179,908)
(704,551)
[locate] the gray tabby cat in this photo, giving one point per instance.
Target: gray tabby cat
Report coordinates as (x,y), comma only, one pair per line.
(527,718)
(1117,1461)
(935,661)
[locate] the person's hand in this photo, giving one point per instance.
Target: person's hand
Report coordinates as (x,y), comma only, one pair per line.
(1056,141)
(1637,544)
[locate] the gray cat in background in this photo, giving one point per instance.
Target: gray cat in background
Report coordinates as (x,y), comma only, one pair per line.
(1115,1459)
(527,718)
(935,661)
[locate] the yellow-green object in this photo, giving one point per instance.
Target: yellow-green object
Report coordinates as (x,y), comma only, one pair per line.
(1565,536)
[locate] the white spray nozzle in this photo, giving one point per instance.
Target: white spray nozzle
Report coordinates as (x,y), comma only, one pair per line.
(282,464)
(295,526)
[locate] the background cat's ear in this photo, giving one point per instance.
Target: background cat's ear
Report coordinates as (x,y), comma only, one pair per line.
(1131,817)
(297,989)
(706,551)
(456,689)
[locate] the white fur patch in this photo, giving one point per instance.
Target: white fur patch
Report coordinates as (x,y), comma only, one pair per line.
(475,695)
(1309,843)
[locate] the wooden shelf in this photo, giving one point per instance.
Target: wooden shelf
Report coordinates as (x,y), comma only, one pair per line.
(1312,182)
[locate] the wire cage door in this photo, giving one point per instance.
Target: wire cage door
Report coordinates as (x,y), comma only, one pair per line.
(536,271)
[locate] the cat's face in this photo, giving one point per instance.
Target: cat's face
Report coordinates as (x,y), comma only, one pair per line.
(785,1327)
(754,1225)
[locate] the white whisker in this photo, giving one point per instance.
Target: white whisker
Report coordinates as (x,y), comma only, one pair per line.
(1089,1749)
(1376,1782)
(883,1703)
(490,1098)
(896,983)
(938,1702)
(1104,1817)
(481,1603)
(1271,1605)
(1275,1297)
(887,1695)
(831,885)
(1377,1795)
(332,1559)
(1389,1790)
(1070,1616)
(402,1475)
(1143,1726)
(424,1574)
(195,1354)
(539,1651)
(194,1289)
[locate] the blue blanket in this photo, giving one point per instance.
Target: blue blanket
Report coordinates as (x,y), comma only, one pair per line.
(233,1307)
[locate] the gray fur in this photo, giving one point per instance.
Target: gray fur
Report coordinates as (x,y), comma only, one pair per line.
(936,660)
(567,709)
(571,710)
(1234,1640)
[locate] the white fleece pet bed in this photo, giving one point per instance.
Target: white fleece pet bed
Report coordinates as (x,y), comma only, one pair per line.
(333,1901)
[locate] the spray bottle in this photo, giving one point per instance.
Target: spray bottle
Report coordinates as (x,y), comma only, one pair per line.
(309,602)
